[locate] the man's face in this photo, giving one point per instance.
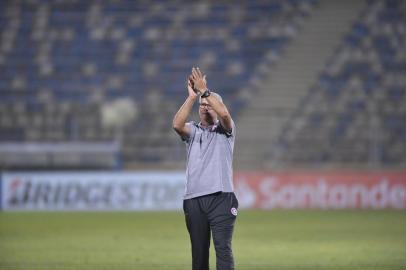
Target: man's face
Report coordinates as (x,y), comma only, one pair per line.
(206,112)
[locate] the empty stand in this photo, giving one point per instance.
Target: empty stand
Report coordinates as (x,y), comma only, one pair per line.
(62,61)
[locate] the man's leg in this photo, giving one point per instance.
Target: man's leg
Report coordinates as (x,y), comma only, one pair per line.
(199,231)
(222,218)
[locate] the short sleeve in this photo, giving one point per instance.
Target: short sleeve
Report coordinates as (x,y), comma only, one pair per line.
(232,132)
(192,127)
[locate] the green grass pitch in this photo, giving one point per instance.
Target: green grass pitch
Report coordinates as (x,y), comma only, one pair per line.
(263,240)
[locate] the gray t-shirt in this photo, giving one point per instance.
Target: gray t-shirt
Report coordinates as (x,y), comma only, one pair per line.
(209,165)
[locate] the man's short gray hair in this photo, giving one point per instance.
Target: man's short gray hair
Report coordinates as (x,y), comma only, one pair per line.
(213,94)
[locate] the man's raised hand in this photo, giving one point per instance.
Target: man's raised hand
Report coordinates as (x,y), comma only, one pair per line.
(199,81)
(190,89)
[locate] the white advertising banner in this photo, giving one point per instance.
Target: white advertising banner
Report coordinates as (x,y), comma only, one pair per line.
(92,191)
(163,190)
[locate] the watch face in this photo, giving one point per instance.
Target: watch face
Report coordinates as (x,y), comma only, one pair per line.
(206,93)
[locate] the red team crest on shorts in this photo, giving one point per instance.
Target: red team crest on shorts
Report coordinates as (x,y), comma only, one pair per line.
(234,211)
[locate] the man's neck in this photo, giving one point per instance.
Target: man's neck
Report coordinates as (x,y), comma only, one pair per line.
(206,123)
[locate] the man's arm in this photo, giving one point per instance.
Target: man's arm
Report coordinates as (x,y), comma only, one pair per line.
(179,121)
(222,112)
(199,82)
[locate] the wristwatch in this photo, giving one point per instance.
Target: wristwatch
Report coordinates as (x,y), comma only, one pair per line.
(206,93)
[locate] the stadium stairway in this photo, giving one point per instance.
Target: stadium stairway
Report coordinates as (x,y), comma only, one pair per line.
(284,84)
